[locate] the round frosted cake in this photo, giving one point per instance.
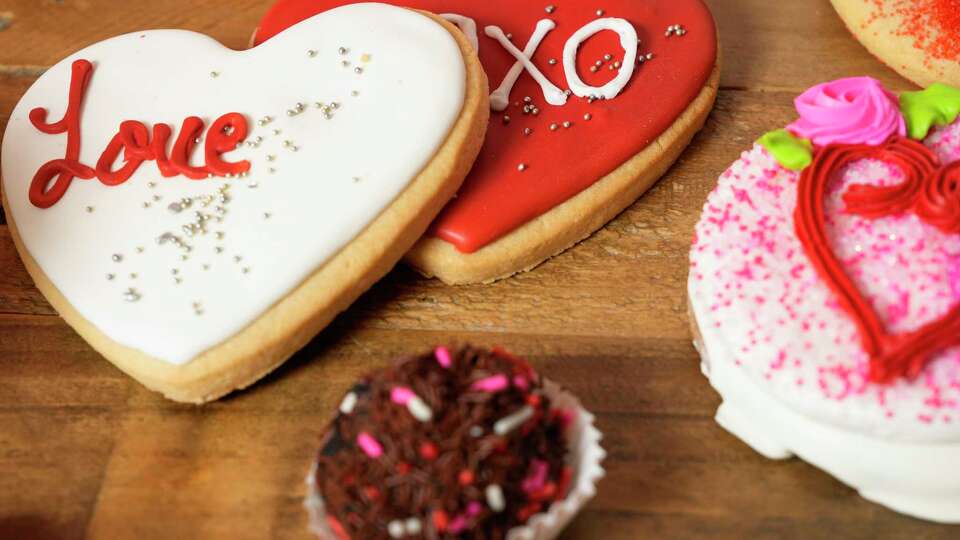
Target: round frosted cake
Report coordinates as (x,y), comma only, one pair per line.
(824,287)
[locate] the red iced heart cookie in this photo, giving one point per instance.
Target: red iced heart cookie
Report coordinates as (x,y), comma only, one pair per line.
(931,192)
(550,174)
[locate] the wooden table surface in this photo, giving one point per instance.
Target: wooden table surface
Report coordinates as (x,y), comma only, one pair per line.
(87,452)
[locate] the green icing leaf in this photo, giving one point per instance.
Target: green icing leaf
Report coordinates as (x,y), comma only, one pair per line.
(937,105)
(792,152)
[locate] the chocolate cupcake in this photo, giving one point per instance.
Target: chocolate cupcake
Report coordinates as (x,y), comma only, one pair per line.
(464,443)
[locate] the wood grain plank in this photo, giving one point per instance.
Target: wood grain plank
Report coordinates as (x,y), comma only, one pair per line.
(42,32)
(790,46)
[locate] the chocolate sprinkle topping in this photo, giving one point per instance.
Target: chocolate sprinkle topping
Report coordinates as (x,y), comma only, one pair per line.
(418,457)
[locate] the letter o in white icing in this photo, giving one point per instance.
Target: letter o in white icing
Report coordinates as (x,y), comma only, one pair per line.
(629,42)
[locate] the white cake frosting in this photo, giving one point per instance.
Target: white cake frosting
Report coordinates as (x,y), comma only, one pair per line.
(788,361)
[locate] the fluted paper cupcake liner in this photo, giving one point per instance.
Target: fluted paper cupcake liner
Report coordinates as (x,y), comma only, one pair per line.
(585,456)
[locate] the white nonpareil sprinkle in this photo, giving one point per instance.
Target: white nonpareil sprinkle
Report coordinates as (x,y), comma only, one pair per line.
(419,409)
(495,499)
(396,529)
(509,423)
(414,526)
(348,403)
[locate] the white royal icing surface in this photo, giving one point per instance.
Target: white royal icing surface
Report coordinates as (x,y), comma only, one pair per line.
(279,227)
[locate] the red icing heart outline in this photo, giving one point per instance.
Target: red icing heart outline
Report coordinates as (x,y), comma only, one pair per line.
(498,197)
(930,191)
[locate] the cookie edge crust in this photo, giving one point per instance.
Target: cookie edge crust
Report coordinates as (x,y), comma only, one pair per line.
(298,317)
(576,219)
(896,52)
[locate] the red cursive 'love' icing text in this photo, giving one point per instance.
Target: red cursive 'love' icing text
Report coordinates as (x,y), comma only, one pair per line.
(136,145)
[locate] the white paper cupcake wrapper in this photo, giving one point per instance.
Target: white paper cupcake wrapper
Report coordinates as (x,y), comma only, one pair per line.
(585,457)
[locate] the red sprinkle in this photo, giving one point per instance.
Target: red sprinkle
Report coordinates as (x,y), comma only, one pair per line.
(566,477)
(934,25)
(371,493)
(466,477)
(337,528)
(548,492)
(528,511)
(533,400)
(403,467)
(440,520)
(428,451)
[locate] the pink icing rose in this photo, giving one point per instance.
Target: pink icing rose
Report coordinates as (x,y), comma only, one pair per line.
(857,110)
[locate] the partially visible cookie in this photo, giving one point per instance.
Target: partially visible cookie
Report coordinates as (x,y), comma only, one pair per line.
(198,228)
(920,39)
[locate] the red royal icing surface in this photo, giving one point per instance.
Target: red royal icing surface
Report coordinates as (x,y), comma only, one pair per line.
(133,144)
(497,198)
(932,193)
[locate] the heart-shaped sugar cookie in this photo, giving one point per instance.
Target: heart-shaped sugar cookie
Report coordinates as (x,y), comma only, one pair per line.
(198,214)
(592,104)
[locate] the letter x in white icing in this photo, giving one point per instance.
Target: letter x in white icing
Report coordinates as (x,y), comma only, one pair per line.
(500,98)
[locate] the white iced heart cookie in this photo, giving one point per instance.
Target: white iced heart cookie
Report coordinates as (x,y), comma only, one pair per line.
(198,214)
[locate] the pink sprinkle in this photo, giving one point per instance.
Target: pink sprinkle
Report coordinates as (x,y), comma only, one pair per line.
(493,384)
(401,395)
(457,525)
(443,357)
(521,382)
(537,476)
(369,445)
(474,509)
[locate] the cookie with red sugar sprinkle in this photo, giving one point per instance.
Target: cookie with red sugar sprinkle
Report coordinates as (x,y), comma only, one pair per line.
(454,443)
(920,39)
